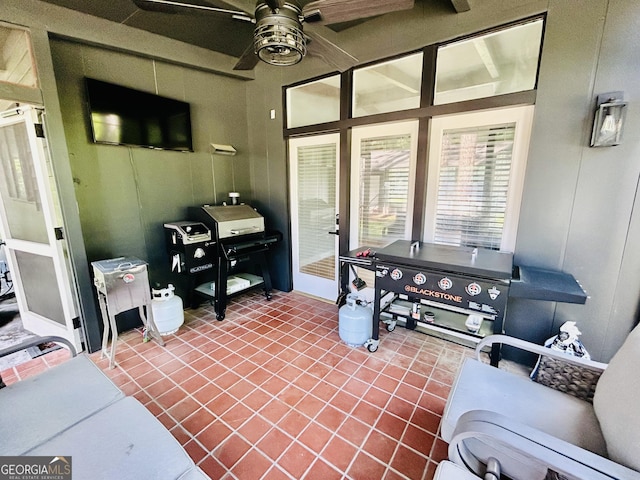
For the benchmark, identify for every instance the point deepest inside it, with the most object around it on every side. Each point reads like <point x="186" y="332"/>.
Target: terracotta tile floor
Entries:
<point x="272" y="392"/>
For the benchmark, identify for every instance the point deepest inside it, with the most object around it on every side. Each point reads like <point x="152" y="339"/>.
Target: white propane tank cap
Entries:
<point x="163" y="293"/>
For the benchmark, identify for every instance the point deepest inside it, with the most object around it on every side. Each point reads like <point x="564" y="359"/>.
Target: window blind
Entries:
<point x="384" y="189"/>
<point x="316" y="209"/>
<point x="473" y="183"/>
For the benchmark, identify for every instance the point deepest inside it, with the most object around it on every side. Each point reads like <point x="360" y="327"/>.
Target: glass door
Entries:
<point x="313" y="165"/>
<point x="30" y="225"/>
<point x="383" y="165"/>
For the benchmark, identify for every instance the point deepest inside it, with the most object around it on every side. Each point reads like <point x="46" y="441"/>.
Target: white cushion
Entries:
<point x="482" y="387"/>
<point x="40" y="407"/>
<point x="124" y="441"/>
<point x="194" y="474"/>
<point x="617" y="403"/>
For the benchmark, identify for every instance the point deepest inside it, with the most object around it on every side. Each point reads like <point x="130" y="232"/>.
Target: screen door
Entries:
<point x="31" y="228"/>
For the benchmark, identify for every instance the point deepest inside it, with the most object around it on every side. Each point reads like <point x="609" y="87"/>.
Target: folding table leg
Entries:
<point x="150" y="324"/>
<point x="106" y="323"/>
<point x="114" y="341"/>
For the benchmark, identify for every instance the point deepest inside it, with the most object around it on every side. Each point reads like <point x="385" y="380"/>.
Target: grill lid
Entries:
<point x="119" y="264"/>
<point x="235" y="220"/>
<point x="230" y="213"/>
<point x="484" y="263"/>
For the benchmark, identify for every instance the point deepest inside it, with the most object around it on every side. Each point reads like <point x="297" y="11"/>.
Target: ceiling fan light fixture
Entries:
<point x="278" y="37"/>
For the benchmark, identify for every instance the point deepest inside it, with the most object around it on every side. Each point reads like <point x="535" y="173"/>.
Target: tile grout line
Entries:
<point x="286" y="337"/>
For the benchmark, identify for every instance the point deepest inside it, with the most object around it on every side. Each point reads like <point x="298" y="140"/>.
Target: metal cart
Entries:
<point x="123" y="284"/>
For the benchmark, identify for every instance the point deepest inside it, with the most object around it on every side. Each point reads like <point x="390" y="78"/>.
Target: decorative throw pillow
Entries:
<point x="571" y="379"/>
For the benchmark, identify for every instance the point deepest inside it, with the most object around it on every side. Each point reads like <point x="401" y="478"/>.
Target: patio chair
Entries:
<point x="538" y="432"/>
<point x="74" y="409"/>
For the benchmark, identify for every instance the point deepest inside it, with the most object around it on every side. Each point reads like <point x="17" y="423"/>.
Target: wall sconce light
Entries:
<point x="609" y="120"/>
<point x="219" y="149"/>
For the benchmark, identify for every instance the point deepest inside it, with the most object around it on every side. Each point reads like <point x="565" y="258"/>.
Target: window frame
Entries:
<point x="387" y="61"/>
<point x="423" y="114"/>
<point x="523" y="118"/>
<point x="398" y="128"/>
<point x="482" y="33"/>
<point x="287" y="92"/>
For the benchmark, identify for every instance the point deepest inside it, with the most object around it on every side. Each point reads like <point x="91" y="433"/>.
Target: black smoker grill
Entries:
<point x="242" y="242"/>
<point x="190" y="246"/>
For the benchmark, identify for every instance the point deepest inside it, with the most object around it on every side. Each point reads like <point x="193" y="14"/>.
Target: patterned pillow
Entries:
<point x="571" y="379"/>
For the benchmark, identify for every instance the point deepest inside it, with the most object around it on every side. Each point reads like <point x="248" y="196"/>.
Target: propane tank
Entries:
<point x="355" y="321"/>
<point x="167" y="310"/>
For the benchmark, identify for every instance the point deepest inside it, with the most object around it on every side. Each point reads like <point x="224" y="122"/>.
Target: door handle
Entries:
<point x="334" y="233"/>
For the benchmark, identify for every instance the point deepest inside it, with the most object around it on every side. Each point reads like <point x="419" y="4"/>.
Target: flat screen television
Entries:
<point x="124" y="116"/>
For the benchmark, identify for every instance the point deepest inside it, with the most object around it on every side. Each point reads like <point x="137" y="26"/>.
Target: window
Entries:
<point x="314" y="102"/>
<point x="383" y="163"/>
<point x="388" y="86"/>
<point x="501" y="62"/>
<point x="19" y="179"/>
<point x="16" y="58"/>
<point x="476" y="171"/>
<point x="316" y="208"/>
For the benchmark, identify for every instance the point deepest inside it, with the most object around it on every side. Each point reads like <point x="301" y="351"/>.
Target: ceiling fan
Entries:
<point x="278" y="37"/>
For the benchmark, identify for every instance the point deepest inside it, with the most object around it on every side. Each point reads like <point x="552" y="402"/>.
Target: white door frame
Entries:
<point x="313" y="285"/>
<point x="55" y="249"/>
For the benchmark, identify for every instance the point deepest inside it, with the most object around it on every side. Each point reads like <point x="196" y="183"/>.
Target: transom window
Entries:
<point x="500" y="62"/>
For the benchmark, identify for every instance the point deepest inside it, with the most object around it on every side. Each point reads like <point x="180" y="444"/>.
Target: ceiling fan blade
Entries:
<point x="241" y="5"/>
<point x="248" y="60"/>
<point x="171" y="6"/>
<point x="328" y="51"/>
<point x="334" y="11"/>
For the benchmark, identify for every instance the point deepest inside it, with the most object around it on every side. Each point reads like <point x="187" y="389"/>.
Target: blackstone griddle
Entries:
<point x="479" y="262"/>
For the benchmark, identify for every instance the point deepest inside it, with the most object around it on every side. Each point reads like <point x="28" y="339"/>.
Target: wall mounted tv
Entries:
<point x="124" y="116"/>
